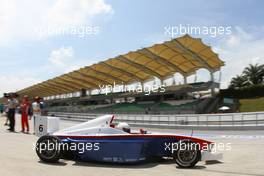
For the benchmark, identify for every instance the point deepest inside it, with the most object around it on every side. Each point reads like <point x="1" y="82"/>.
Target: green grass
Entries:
<point x="251" y="105"/>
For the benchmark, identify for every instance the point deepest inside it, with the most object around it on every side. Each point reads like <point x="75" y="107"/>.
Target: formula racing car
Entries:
<point x="101" y="140"/>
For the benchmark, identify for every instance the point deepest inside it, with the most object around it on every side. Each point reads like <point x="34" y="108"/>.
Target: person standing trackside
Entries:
<point x="1" y="108"/>
<point x="12" y="105"/>
<point x="25" y="105"/>
<point x="5" y="99"/>
<point x="36" y="109"/>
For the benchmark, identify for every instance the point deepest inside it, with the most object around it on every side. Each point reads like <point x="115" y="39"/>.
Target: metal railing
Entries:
<point x="255" y="119"/>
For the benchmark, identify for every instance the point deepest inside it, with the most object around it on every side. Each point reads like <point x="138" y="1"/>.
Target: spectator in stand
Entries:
<point x="25" y="105"/>
<point x="12" y="105"/>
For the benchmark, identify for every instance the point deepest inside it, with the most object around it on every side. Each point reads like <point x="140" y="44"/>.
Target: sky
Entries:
<point x="40" y="40"/>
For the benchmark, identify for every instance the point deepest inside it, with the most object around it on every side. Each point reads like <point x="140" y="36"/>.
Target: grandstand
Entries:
<point x="176" y="100"/>
<point x="80" y="90"/>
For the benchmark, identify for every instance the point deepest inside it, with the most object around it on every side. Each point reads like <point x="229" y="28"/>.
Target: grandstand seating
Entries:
<point x="177" y="99"/>
<point x="134" y="108"/>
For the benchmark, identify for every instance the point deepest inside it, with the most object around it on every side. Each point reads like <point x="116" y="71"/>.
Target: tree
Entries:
<point x="239" y="81"/>
<point x="254" y="74"/>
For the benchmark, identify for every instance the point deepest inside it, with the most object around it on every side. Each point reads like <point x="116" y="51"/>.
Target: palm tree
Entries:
<point x="239" y="81"/>
<point x="254" y="73"/>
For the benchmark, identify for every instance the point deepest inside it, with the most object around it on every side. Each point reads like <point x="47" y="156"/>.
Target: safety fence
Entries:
<point x="249" y="121"/>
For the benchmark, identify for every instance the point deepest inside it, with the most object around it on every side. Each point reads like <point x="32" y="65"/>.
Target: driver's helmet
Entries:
<point x="123" y="126"/>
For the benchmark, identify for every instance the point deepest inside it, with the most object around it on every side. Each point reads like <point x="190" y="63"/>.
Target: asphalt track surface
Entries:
<point x="246" y="157"/>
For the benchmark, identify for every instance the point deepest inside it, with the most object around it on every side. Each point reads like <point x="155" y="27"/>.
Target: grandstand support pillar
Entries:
<point x="220" y="77"/>
<point x="89" y="92"/>
<point x="212" y="76"/>
<point x="213" y="87"/>
<point x="173" y="81"/>
<point x="161" y="81"/>
<point x="142" y="85"/>
<point x="195" y="77"/>
<point x="185" y="80"/>
<point x="83" y="92"/>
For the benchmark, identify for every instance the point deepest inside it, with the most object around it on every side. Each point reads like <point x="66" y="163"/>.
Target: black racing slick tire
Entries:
<point x="48" y="149"/>
<point x="187" y="154"/>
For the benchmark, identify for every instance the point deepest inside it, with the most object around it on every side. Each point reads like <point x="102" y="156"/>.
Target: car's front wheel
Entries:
<point x="187" y="154"/>
<point x="48" y="149"/>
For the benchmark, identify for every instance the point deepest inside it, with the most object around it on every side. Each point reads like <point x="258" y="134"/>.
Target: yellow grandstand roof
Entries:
<point x="184" y="55"/>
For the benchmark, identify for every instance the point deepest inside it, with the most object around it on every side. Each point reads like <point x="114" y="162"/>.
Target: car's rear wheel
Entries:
<point x="48" y="149"/>
<point x="187" y="155"/>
